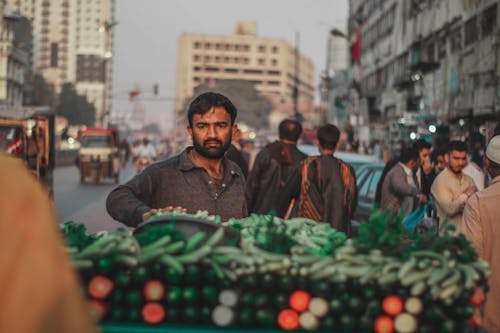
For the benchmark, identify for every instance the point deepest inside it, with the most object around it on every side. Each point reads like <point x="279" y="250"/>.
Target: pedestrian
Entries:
<point x="235" y="154"/>
<point x="399" y="190"/>
<point x="124" y="148"/>
<point x="481" y="226"/>
<point x="452" y="187"/>
<point x="41" y="291"/>
<point x="425" y="173"/>
<point x="477" y="174"/>
<point x="272" y="166"/>
<point x="324" y="186"/>
<point x="439" y="158"/>
<point x="200" y="178"/>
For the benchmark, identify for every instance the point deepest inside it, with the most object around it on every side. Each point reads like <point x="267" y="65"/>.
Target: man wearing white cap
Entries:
<point x="481" y="225"/>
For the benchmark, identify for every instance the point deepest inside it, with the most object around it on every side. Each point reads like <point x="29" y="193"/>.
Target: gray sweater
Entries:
<point x="178" y="182"/>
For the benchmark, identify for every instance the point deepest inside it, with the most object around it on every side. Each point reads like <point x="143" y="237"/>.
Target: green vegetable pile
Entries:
<point x="161" y="276"/>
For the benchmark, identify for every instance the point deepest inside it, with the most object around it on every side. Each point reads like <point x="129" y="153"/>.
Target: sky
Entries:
<point x="145" y="39"/>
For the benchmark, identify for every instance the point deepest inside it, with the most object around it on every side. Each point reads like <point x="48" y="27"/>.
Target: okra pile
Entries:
<point x="294" y="274"/>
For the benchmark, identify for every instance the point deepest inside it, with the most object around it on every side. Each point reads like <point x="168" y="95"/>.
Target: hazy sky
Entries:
<point x="147" y="32"/>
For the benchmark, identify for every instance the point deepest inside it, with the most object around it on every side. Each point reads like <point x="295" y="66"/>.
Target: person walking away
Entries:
<point x="145" y="155"/>
<point x="272" y="166"/>
<point x="399" y="190"/>
<point x="324" y="186"/>
<point x="481" y="225"/>
<point x="235" y="154"/>
<point x="200" y="178"/>
<point x="452" y="188"/>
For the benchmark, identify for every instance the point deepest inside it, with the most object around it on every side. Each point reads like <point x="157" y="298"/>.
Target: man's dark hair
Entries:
<point x="206" y="101"/>
<point x="290" y="129"/>
<point x="421" y="144"/>
<point x="408" y="154"/>
<point x="328" y="136"/>
<point x="457" y="145"/>
<point x="437" y="152"/>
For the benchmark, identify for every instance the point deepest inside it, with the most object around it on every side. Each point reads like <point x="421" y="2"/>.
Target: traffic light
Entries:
<point x="155" y="89"/>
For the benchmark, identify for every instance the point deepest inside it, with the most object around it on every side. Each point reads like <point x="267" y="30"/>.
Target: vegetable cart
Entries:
<point x="262" y="273"/>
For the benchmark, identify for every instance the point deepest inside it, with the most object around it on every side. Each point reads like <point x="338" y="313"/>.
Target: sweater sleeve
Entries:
<point x="471" y="225"/>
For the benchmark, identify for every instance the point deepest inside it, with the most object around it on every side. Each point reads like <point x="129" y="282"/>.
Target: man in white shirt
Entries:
<point x="146" y="150"/>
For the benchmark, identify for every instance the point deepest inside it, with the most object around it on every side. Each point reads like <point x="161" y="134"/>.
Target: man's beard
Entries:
<point x="211" y="152"/>
<point x="455" y="171"/>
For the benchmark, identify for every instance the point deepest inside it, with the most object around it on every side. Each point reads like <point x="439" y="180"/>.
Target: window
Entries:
<point x="252" y="71"/>
<point x="196" y="57"/>
<point x="236" y="60"/>
<point x="217" y="46"/>
<point x="211" y="69"/>
<point x="54" y="50"/>
<point x="196" y="68"/>
<point x="274" y="62"/>
<point x="262" y="48"/>
<point x="273" y="83"/>
<point x="246" y="47"/>
<point x="489" y="20"/>
<point x="196" y="45"/>
<point x="456" y="40"/>
<point x="470" y="31"/>
<point x="275" y="49"/>
<point x="262" y="61"/>
<point x="231" y="70"/>
<point x="208" y="46"/>
<point x="274" y="72"/>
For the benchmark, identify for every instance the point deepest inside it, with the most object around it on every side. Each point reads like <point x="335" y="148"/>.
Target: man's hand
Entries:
<point x="422" y="198"/>
<point x="427" y="166"/>
<point x="147" y="216"/>
<point x="172" y="209"/>
<point x="471" y="190"/>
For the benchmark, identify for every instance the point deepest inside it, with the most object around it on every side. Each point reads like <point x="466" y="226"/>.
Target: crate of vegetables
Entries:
<point x="278" y="275"/>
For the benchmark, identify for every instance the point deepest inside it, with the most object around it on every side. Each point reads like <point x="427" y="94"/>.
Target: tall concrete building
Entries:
<point x="267" y="62"/>
<point x="73" y="42"/>
<point x="14" y="61"/>
<point x="422" y="63"/>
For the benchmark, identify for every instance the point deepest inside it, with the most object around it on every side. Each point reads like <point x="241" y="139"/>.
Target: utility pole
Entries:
<point x="296" y="80"/>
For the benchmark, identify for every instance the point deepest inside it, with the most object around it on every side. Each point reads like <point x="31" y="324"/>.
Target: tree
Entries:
<point x="253" y="108"/>
<point x="75" y="107"/>
<point x="38" y="91"/>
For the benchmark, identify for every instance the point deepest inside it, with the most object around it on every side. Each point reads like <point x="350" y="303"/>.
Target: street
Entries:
<point x="85" y="203"/>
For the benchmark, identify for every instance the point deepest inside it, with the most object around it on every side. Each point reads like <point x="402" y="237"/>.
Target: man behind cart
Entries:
<point x="200" y="178"/>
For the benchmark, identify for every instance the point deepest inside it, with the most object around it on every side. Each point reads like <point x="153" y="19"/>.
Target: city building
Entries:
<point x="422" y="66"/>
<point x="270" y="63"/>
<point x="14" y="61"/>
<point x="73" y="42"/>
<point x="335" y="79"/>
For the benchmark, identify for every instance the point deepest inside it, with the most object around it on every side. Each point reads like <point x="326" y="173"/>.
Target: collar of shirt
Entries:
<point x="185" y="163"/>
<point x="409" y="174"/>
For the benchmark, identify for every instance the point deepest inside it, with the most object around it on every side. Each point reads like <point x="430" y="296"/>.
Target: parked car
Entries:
<point x="353" y="159"/>
<point x="367" y="179"/>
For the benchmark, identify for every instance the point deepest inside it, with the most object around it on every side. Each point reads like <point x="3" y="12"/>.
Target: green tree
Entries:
<point x="75" y="107"/>
<point x="253" y="108"/>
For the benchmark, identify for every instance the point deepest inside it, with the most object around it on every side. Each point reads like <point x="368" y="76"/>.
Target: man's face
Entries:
<point x="440" y="162"/>
<point x="457" y="161"/>
<point x="425" y="156"/>
<point x="211" y="132"/>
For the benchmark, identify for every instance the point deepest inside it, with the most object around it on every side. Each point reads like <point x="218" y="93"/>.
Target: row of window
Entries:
<point x="233" y="47"/>
<point x="235" y="60"/>
<point x="197" y="79"/>
<point x="235" y="70"/>
<point x="380" y="29"/>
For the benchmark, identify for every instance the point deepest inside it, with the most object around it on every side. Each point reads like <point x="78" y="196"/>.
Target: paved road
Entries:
<point x="85" y="203"/>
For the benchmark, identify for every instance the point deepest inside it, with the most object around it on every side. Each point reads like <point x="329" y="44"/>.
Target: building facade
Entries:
<point x="422" y="63"/>
<point x="14" y="61"/>
<point x="73" y="42"/>
<point x="267" y="62"/>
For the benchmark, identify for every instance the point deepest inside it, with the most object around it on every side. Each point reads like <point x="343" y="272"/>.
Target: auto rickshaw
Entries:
<point x="28" y="133"/>
<point x="99" y="157"/>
